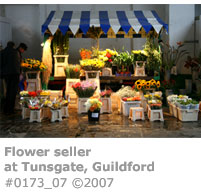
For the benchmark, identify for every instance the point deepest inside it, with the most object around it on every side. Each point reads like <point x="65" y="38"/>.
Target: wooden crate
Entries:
<point x="107" y="105"/>
<point x="81" y="107"/>
<point x="33" y="80"/>
<point x="59" y="67"/>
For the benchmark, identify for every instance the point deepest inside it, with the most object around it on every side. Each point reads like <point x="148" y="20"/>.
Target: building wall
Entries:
<point x="181" y="28"/>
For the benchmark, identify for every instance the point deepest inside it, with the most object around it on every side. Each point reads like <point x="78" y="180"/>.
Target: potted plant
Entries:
<point x="171" y="56"/>
<point x="140" y="57"/>
<point x="124" y="62"/>
<point x="154" y="59"/>
<point x="168" y="86"/>
<point x="84" y="89"/>
<point x="73" y="71"/>
<point x="93" y="106"/>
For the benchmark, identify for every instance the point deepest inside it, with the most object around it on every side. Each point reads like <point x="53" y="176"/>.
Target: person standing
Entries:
<point x="11" y="68"/>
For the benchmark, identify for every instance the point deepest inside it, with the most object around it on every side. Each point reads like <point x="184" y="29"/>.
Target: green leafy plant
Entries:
<point x="60" y="43"/>
<point x="172" y="55"/>
<point x="124" y="61"/>
<point x="72" y="71"/>
<point x="154" y="59"/>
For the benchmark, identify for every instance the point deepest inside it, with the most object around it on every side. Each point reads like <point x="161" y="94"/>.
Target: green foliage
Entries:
<point x="60" y="43"/>
<point x="172" y="55"/>
<point x="154" y="59"/>
<point x="72" y="71"/>
<point x="124" y="60"/>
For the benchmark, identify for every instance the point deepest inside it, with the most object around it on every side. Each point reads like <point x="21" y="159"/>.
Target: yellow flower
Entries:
<point x="158" y="84"/>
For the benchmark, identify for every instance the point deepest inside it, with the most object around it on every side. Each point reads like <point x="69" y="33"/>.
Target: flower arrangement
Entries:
<point x="140" y="55"/>
<point x="92" y="64"/>
<point x="45" y="93"/>
<point x="93" y="104"/>
<point x="85" y="53"/>
<point x="47" y="103"/>
<point x="148" y="97"/>
<point x="55" y="104"/>
<point x="106" y="93"/>
<point x="33" y="65"/>
<point x="124" y="61"/>
<point x="126" y="91"/>
<point x="72" y="71"/>
<point x="136" y="98"/>
<point x="64" y="103"/>
<point x="84" y="89"/>
<point x="107" y="56"/>
<point x="24" y="93"/>
<point x="155" y="104"/>
<point x="146" y="85"/>
<point x="34" y="104"/>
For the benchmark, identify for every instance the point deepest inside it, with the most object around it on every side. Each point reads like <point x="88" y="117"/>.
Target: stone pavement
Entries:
<point x="110" y="126"/>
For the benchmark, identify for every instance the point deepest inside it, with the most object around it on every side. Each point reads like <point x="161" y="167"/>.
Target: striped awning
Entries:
<point x="75" y="21"/>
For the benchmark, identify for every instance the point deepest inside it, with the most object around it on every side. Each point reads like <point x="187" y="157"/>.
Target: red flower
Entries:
<point x="108" y="55"/>
<point x="32" y="94"/>
<point x="76" y="69"/>
<point x="76" y="85"/>
<point x="110" y="60"/>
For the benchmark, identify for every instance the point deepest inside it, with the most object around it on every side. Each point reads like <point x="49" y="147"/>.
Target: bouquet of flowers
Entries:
<point x="64" y="103"/>
<point x="155" y="104"/>
<point x="136" y="98"/>
<point x="72" y="71"/>
<point x="24" y="93"/>
<point x="34" y="104"/>
<point x="92" y="64"/>
<point x="55" y="104"/>
<point x="84" y="89"/>
<point x="107" y="56"/>
<point x="85" y="53"/>
<point x="140" y="55"/>
<point x="33" y="65"/>
<point x="93" y="104"/>
<point x="146" y="85"/>
<point x="106" y="93"/>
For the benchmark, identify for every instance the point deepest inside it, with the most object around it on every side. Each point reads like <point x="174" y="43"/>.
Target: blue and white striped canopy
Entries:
<point x="83" y="20"/>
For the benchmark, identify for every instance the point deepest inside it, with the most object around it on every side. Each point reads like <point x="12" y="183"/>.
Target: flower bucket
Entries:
<point x="93" y="116"/>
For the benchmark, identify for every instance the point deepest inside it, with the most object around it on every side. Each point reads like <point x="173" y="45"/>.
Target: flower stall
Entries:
<point x="32" y="68"/>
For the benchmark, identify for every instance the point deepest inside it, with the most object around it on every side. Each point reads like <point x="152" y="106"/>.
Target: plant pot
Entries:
<point x="93" y="116"/>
